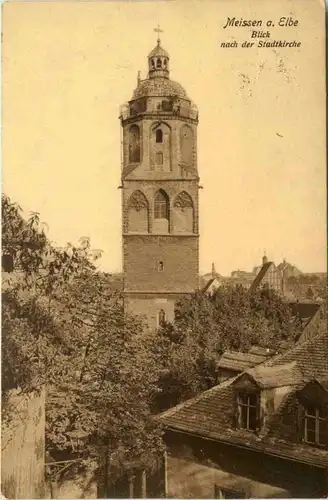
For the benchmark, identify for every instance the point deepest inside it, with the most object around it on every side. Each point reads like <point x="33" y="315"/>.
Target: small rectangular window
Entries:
<point x="7" y="263"/>
<point x="161" y="318"/>
<point x="160" y="266"/>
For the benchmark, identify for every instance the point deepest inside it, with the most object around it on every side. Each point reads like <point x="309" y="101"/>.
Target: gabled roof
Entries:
<point x="210" y="283"/>
<point x="259" y="277"/>
<point x="211" y="413"/>
<point x="262" y="351"/>
<point x="276" y="376"/>
<point x="239" y="361"/>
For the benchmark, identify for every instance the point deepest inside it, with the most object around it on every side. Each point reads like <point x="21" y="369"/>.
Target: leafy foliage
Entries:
<point x="233" y="318"/>
<point x="64" y="327"/>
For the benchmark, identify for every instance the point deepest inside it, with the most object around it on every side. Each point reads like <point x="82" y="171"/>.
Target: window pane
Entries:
<point x="310" y="410"/>
<point x="310" y="424"/>
<point x="323" y="436"/>
<point x="243" y="398"/>
<point x="310" y="436"/>
<point x="252" y="418"/>
<point x="243" y="417"/>
<point x="253" y="399"/>
<point x="322" y="413"/>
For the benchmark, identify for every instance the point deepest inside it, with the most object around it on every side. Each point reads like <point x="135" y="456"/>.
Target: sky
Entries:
<point x="68" y="66"/>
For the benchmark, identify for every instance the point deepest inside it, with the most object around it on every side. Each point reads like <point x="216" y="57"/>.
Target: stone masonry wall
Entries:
<point x="142" y="254"/>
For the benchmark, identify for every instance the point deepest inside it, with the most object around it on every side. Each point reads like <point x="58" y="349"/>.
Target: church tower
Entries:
<point x="159" y="193"/>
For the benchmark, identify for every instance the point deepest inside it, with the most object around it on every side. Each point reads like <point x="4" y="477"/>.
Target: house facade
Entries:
<point x="269" y="275"/>
<point x="262" y="434"/>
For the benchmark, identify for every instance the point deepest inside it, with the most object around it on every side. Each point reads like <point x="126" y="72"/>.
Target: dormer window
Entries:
<point x="248" y="410"/>
<point x="313" y="410"/>
<point x="315" y="426"/>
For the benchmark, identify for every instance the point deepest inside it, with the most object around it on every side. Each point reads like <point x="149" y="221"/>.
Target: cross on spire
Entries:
<point x="158" y="31"/>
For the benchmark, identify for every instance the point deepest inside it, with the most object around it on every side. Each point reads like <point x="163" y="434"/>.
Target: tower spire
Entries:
<point x="158" y="31"/>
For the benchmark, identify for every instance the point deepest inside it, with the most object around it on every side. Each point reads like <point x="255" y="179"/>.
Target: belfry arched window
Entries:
<point x="161" y="205"/>
<point x="158" y="63"/>
<point x="134" y="144"/>
<point x="159" y="135"/>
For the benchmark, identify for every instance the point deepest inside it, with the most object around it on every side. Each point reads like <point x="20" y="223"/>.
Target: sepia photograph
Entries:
<point x="164" y="249"/>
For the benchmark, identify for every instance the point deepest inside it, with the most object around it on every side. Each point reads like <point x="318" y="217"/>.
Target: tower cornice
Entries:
<point x="156" y="180"/>
<point x="157" y="115"/>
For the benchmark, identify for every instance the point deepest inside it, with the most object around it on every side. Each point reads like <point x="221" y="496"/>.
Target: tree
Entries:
<point x="64" y="328"/>
<point x="233" y="318"/>
<point x="109" y="383"/>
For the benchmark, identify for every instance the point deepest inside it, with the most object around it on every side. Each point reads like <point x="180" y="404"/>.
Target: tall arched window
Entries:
<point x="134" y="144"/>
<point x="158" y="63"/>
<point x="161" y="317"/>
<point x="159" y="135"/>
<point x="161" y="205"/>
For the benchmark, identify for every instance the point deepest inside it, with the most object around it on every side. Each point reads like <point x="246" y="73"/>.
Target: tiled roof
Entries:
<point x="239" y="361"/>
<point x="257" y="281"/>
<point x="277" y="375"/>
<point x="211" y="413"/>
<point x="305" y="311"/>
<point x="262" y="351"/>
<point x="208" y="284"/>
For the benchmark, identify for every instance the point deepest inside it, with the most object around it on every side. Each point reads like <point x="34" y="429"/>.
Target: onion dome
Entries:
<point x="159" y="51"/>
<point x="160" y="86"/>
